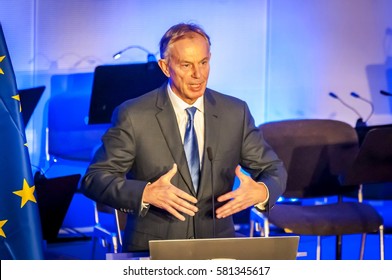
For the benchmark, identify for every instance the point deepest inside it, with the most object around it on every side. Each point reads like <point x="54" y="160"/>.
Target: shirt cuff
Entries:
<point x="261" y="206"/>
<point x="144" y="209"/>
<point x="144" y="206"/>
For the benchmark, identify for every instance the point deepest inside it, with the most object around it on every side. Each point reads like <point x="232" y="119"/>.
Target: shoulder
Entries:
<point x="140" y="106"/>
<point x="146" y="99"/>
<point x="149" y="100"/>
<point x="224" y="101"/>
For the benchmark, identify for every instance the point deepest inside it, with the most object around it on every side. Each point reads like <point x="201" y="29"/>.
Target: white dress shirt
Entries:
<point x="182" y="118"/>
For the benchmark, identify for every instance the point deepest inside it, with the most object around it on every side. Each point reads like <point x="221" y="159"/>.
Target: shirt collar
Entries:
<point x="180" y="104"/>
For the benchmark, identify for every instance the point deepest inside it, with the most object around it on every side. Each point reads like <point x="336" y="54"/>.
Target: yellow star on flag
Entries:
<point x="1" y="59"/>
<point x="26" y="193"/>
<point x="2" y="223"/>
<point x="17" y="97"/>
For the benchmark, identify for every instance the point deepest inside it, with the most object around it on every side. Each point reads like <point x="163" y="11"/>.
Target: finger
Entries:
<point x="169" y="175"/>
<point x="177" y="215"/>
<point x="186" y="196"/>
<point x="238" y="171"/>
<point x="226" y="196"/>
<point x="181" y="205"/>
<point x="225" y="207"/>
<point x="185" y="209"/>
<point x="176" y="205"/>
<point x="185" y="204"/>
<point x="224" y="212"/>
<point x="229" y="209"/>
<point x="241" y="176"/>
<point x="174" y="212"/>
<point x="228" y="212"/>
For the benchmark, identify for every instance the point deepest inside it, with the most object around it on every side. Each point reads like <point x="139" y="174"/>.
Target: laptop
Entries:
<point x="254" y="248"/>
<point x="54" y="196"/>
<point x="29" y="99"/>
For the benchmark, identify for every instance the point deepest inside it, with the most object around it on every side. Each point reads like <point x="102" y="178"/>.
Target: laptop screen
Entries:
<point x="256" y="248"/>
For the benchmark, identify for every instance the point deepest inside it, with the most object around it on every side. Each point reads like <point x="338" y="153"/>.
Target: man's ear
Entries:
<point x="164" y="67"/>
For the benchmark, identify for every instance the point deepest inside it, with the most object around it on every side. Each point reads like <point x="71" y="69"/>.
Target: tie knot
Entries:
<point x="191" y="112"/>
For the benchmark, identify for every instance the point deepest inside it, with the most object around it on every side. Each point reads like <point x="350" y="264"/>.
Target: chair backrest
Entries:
<point x="68" y="109"/>
<point x="374" y="161"/>
<point x="315" y="153"/>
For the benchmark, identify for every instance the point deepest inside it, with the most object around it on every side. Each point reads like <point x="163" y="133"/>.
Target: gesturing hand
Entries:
<point x="164" y="195"/>
<point x="247" y="194"/>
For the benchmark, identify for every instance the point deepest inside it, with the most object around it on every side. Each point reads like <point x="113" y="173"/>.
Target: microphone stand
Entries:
<point x="360" y="122"/>
<point x="355" y="95"/>
<point x="210" y="158"/>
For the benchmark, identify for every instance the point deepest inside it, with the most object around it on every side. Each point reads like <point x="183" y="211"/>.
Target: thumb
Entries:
<point x="169" y="175"/>
<point x="239" y="174"/>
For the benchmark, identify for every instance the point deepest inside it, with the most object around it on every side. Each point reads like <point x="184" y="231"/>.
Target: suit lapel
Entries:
<point x="167" y="121"/>
<point x="212" y="133"/>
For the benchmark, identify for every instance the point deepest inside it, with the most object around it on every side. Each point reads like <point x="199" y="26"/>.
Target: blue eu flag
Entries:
<point x="20" y="227"/>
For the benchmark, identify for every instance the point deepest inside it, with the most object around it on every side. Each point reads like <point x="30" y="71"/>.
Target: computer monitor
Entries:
<point x="114" y="84"/>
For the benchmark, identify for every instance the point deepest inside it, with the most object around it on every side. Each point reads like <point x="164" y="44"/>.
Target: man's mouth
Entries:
<point x="196" y="86"/>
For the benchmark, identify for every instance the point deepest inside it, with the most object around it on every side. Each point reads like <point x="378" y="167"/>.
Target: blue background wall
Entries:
<point x="283" y="57"/>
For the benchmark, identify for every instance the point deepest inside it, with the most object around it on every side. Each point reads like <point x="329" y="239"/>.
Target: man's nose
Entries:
<point x="196" y="72"/>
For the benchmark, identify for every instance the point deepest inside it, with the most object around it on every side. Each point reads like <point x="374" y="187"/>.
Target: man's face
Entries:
<point x="188" y="67"/>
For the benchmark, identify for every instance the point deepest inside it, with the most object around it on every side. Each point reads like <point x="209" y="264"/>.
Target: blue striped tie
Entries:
<point x="191" y="148"/>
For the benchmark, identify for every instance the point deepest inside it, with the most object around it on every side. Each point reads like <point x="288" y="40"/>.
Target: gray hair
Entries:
<point x="177" y="32"/>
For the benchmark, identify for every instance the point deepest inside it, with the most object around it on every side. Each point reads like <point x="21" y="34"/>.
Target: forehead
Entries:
<point x="190" y="44"/>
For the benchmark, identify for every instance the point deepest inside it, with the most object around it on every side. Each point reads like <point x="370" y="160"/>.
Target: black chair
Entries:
<point x="316" y="154"/>
<point x="373" y="163"/>
<point x="372" y="168"/>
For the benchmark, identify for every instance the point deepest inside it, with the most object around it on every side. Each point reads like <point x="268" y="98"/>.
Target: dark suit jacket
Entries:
<point x="145" y="141"/>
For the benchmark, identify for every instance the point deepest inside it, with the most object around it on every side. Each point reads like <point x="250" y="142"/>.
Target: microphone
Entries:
<point x="383" y="92"/>
<point x="360" y="121"/>
<point x="356" y="95"/>
<point x="210" y="158"/>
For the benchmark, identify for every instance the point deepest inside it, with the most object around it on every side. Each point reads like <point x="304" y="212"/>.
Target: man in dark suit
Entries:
<point x="141" y="167"/>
